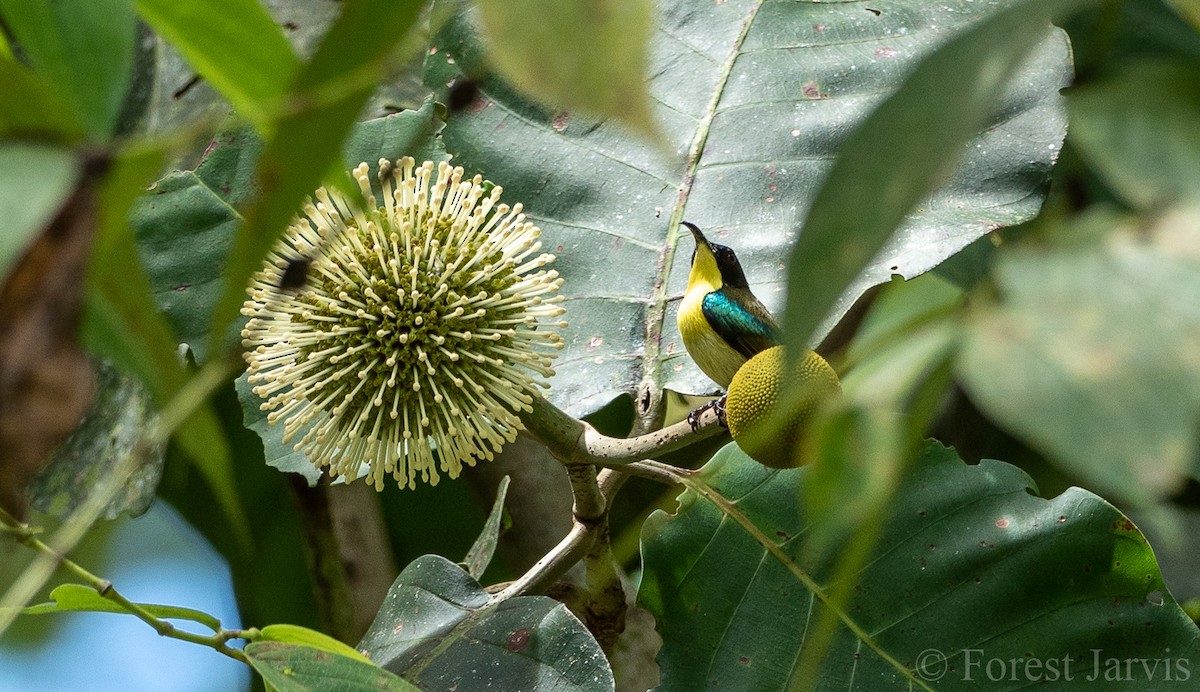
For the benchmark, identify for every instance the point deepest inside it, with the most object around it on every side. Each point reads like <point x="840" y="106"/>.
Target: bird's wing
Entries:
<point x="744" y="324"/>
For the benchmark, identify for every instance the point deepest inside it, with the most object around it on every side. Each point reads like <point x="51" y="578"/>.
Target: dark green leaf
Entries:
<point x="1091" y="355"/>
<point x="969" y="568"/>
<point x="755" y="100"/>
<point x="295" y="668"/>
<point x="234" y="45"/>
<point x="438" y="629"/>
<point x="579" y="56"/>
<point x="111" y="431"/>
<point x="30" y="107"/>
<point x="276" y="452"/>
<point x="73" y="598"/>
<point x="1140" y="130"/>
<point x="35" y="180"/>
<point x="481" y="552"/>
<point x="85" y="48"/>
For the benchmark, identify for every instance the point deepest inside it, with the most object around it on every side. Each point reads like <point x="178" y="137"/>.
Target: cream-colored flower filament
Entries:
<point x="425" y="327"/>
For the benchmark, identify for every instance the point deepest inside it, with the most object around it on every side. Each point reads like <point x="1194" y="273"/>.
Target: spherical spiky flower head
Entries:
<point x="418" y="333"/>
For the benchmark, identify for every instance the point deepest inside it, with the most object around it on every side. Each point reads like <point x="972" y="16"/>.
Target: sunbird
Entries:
<point x="723" y="325"/>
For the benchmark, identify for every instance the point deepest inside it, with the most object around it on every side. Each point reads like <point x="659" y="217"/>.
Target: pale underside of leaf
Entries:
<point x="753" y="98"/>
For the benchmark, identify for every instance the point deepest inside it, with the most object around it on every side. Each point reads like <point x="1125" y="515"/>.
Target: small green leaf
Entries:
<point x="74" y="598"/>
<point x="295" y="668"/>
<point x="234" y="45"/>
<point x="480" y="554"/>
<point x="755" y="100"/>
<point x="35" y="179"/>
<point x="295" y="634"/>
<point x="584" y="56"/>
<point x="439" y="629"/>
<point x="85" y="48"/>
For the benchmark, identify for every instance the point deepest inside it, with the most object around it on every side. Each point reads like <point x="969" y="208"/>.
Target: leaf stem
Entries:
<point x="581" y="448"/>
<point x="218" y="640"/>
<point x="189" y="397"/>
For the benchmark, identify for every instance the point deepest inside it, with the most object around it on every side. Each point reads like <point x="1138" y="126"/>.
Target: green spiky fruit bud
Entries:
<point x="769" y="404"/>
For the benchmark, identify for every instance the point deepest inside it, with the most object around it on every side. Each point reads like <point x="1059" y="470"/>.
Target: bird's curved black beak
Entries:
<point x="699" y="237"/>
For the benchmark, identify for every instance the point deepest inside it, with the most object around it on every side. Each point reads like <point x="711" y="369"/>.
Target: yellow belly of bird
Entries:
<point x="716" y="358"/>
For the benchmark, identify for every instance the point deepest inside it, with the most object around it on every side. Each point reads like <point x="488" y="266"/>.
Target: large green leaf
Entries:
<point x="970" y="569"/>
<point x="439" y="629"/>
<point x="85" y="48"/>
<point x="1093" y="353"/>
<point x="754" y="98"/>
<point x="174" y="93"/>
<point x="185" y="225"/>
<point x="921" y="130"/>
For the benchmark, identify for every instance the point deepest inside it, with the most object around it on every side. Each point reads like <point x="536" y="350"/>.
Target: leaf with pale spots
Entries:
<point x="754" y="100"/>
<point x="1057" y="579"/>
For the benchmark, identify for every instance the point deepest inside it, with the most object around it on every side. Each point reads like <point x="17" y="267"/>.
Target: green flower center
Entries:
<point x="411" y="323"/>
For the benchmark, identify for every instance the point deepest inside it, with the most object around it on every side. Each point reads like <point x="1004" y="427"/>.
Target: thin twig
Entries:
<point x="189" y="397"/>
<point x="218" y="640"/>
<point x="553" y="564"/>
<point x="581" y="448"/>
<point x="573" y="441"/>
